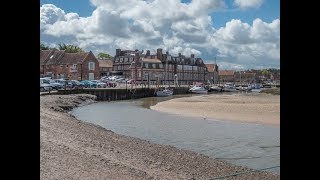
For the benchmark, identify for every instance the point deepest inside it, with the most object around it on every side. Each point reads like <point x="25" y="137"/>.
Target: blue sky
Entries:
<point x="240" y="33"/>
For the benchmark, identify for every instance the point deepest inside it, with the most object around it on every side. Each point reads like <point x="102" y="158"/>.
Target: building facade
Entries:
<point x="105" y="67"/>
<point x="74" y="66"/>
<point x="212" y="75"/>
<point x="226" y="76"/>
<point x="160" y="67"/>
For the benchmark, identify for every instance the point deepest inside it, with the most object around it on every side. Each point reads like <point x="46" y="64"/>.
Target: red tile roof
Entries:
<point x="226" y="73"/>
<point x="211" y="67"/>
<point x="105" y="63"/>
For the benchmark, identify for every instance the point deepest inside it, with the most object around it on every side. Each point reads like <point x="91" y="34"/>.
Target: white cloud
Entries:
<point x="171" y="25"/>
<point x="248" y="3"/>
<point x="185" y="51"/>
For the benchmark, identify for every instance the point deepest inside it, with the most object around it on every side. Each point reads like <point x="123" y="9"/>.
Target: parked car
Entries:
<point x="100" y="84"/>
<point x="45" y="86"/>
<point x="111" y="84"/>
<point x="74" y="84"/>
<point x="88" y="84"/>
<point x="55" y="85"/>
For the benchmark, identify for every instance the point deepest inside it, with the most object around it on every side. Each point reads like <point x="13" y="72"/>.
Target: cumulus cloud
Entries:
<point x="171" y="25"/>
<point x="248" y="3"/>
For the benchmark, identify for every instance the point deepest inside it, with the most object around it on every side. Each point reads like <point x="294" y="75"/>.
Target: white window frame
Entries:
<point x="92" y="64"/>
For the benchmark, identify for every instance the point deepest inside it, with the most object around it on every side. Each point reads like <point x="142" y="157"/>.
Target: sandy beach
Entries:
<point x="252" y="107"/>
<point x="71" y="149"/>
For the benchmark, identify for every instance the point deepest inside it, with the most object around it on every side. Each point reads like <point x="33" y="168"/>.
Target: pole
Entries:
<point x="81" y="71"/>
<point x="148" y="82"/>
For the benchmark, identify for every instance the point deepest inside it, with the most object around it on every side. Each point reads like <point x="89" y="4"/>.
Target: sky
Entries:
<point x="236" y="34"/>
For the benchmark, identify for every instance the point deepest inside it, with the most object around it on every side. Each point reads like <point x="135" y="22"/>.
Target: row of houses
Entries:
<point x="151" y="68"/>
<point x="143" y="67"/>
<point x="162" y="67"/>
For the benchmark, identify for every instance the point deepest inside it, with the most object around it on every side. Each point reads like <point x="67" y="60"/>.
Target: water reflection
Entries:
<point x="252" y="145"/>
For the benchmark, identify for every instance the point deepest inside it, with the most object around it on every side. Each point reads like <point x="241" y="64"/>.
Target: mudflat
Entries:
<point x="251" y="107"/>
<point x="71" y="149"/>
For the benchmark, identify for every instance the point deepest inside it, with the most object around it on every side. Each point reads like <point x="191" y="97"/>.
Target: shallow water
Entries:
<point x="253" y="145"/>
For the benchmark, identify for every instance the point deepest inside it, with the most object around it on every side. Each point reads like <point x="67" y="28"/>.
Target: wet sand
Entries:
<point x="252" y="107"/>
<point x="71" y="149"/>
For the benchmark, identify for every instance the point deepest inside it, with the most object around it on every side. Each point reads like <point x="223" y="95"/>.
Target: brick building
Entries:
<point x="212" y="74"/>
<point x="105" y="67"/>
<point x="226" y="76"/>
<point x="245" y="77"/>
<point x="159" y="66"/>
<point x="75" y="66"/>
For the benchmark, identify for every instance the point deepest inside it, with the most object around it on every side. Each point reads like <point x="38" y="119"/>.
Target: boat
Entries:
<point x="164" y="93"/>
<point x="229" y="87"/>
<point x="245" y="88"/>
<point x="198" y="89"/>
<point x="216" y="88"/>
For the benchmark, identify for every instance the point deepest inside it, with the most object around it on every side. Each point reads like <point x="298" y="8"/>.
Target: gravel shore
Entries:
<point x="71" y="149"/>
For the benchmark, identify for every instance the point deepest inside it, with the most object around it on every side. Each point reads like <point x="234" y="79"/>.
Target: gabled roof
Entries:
<point x="211" y="67"/>
<point x="73" y="58"/>
<point x="54" y="57"/>
<point x="105" y="63"/>
<point x="44" y="56"/>
<point x="226" y="73"/>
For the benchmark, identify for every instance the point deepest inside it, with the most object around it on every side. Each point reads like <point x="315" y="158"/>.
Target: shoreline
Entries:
<point x="72" y="149"/>
<point x="257" y="108"/>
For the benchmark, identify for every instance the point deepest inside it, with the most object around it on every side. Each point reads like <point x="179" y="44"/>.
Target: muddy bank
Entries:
<point x="70" y="149"/>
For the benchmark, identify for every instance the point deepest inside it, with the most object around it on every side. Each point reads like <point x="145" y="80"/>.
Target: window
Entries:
<point x="160" y="66"/>
<point x="153" y="66"/>
<point x="146" y="65"/>
<point x="91" y="66"/>
<point x="131" y="59"/>
<point x="74" y="66"/>
<point x="126" y="60"/>
<point x="121" y="59"/>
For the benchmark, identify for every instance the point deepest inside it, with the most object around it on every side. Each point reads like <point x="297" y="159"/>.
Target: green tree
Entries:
<point x="69" y="48"/>
<point x="43" y="47"/>
<point x="265" y="72"/>
<point x="104" y="55"/>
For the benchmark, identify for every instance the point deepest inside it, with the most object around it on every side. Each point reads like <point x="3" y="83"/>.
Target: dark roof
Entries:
<point x="54" y="57"/>
<point x="44" y="56"/>
<point x="73" y="58"/>
<point x="51" y="57"/>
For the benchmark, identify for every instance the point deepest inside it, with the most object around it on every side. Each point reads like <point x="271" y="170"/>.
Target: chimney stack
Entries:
<point x="118" y="51"/>
<point x="148" y="53"/>
<point x="192" y="55"/>
<point x="159" y="53"/>
<point x="179" y="54"/>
